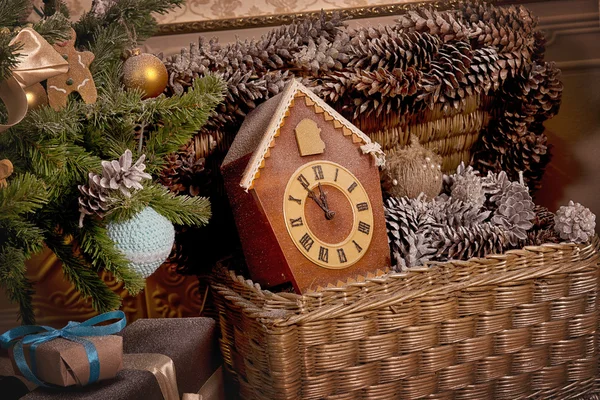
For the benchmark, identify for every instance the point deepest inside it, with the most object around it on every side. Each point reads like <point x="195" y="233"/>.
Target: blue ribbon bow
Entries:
<point x="34" y="335"/>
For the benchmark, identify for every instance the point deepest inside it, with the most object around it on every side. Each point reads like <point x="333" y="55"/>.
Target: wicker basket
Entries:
<point x="513" y="326"/>
<point x="449" y="132"/>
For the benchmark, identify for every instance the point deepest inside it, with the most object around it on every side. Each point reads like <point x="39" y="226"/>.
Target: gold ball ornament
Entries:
<point x="146" y="72"/>
<point x="36" y="96"/>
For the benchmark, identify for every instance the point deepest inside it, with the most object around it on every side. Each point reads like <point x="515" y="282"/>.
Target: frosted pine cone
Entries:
<point x="122" y="175"/>
<point x="416" y="252"/>
<point x="94" y="200"/>
<point x="575" y="223"/>
<point x="449" y="211"/>
<point x="515" y="210"/>
<point x="468" y="188"/>
<point x="462" y="243"/>
<point x="102" y="190"/>
<point x="448" y="25"/>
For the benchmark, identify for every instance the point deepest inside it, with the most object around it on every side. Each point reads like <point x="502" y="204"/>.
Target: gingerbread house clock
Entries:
<point x="304" y="187"/>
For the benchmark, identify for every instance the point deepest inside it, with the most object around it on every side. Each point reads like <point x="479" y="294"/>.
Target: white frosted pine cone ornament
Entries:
<point x="575" y="223"/>
<point x="145" y="240"/>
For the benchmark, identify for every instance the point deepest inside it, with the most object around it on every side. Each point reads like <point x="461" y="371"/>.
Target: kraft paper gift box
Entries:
<point x="191" y="343"/>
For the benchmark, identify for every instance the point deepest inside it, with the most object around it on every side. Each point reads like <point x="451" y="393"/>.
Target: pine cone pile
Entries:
<point x="118" y="178"/>
<point x="428" y="57"/>
<point x="472" y="217"/>
<point x="575" y="223"/>
<point x="515" y="140"/>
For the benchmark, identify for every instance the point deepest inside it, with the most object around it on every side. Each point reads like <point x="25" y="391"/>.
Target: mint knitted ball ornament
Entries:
<point x="146" y="240"/>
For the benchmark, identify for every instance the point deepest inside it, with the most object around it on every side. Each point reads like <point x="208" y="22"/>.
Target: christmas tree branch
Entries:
<point x="132" y="17"/>
<point x="85" y="280"/>
<point x="15" y="283"/>
<point x="182" y="116"/>
<point x="12" y="12"/>
<point x="22" y="234"/>
<point x="52" y="7"/>
<point x="8" y="55"/>
<point x="24" y="194"/>
<point x="56" y="28"/>
<point x="99" y="248"/>
<point x="180" y="210"/>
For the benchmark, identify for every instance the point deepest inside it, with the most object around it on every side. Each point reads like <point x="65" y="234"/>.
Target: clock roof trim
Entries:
<point x="288" y="95"/>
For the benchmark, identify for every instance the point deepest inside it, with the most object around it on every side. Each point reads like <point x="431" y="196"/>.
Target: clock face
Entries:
<point x="328" y="214"/>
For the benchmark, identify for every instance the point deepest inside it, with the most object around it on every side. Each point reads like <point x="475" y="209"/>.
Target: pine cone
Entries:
<point x="416" y="252"/>
<point x="404" y="215"/>
<point x="94" y="199"/>
<point x="446" y="80"/>
<point x="575" y="223"/>
<point x="544" y="218"/>
<point x="184" y="172"/>
<point x="515" y="210"/>
<point x="448" y="25"/>
<point x="507" y="144"/>
<point x="103" y="190"/>
<point x="539" y="237"/>
<point x="509" y="29"/>
<point x="468" y="188"/>
<point x="505" y="28"/>
<point x="383" y="90"/>
<point x="455" y="213"/>
<point x="390" y="47"/>
<point x="542" y="92"/>
<point x="122" y="175"/>
<point x="463" y="243"/>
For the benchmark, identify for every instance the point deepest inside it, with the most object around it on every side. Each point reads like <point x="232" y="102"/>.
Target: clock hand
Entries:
<point x="328" y="214"/>
<point x="323" y="196"/>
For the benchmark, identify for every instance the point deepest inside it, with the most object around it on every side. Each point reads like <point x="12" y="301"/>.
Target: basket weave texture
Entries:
<point x="518" y="325"/>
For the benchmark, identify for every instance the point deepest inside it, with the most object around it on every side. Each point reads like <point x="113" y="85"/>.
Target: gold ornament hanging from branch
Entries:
<point x="36" y="96"/>
<point x="146" y="72"/>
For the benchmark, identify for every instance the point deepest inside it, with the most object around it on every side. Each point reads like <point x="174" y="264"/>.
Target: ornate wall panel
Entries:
<point x="56" y="302"/>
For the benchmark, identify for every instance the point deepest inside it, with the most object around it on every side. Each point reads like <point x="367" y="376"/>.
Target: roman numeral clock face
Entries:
<point x="328" y="214"/>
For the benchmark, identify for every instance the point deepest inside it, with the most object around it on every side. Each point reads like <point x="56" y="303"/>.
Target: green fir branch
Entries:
<point x="107" y="45"/>
<point x="22" y="234"/>
<point x="85" y="279"/>
<point x="180" y="210"/>
<point x="14" y="281"/>
<point x="46" y="123"/>
<point x="182" y="116"/>
<point x="24" y="194"/>
<point x="102" y="254"/>
<point x="13" y="12"/>
<point x="55" y="29"/>
<point x="9" y="54"/>
<point x="133" y="17"/>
